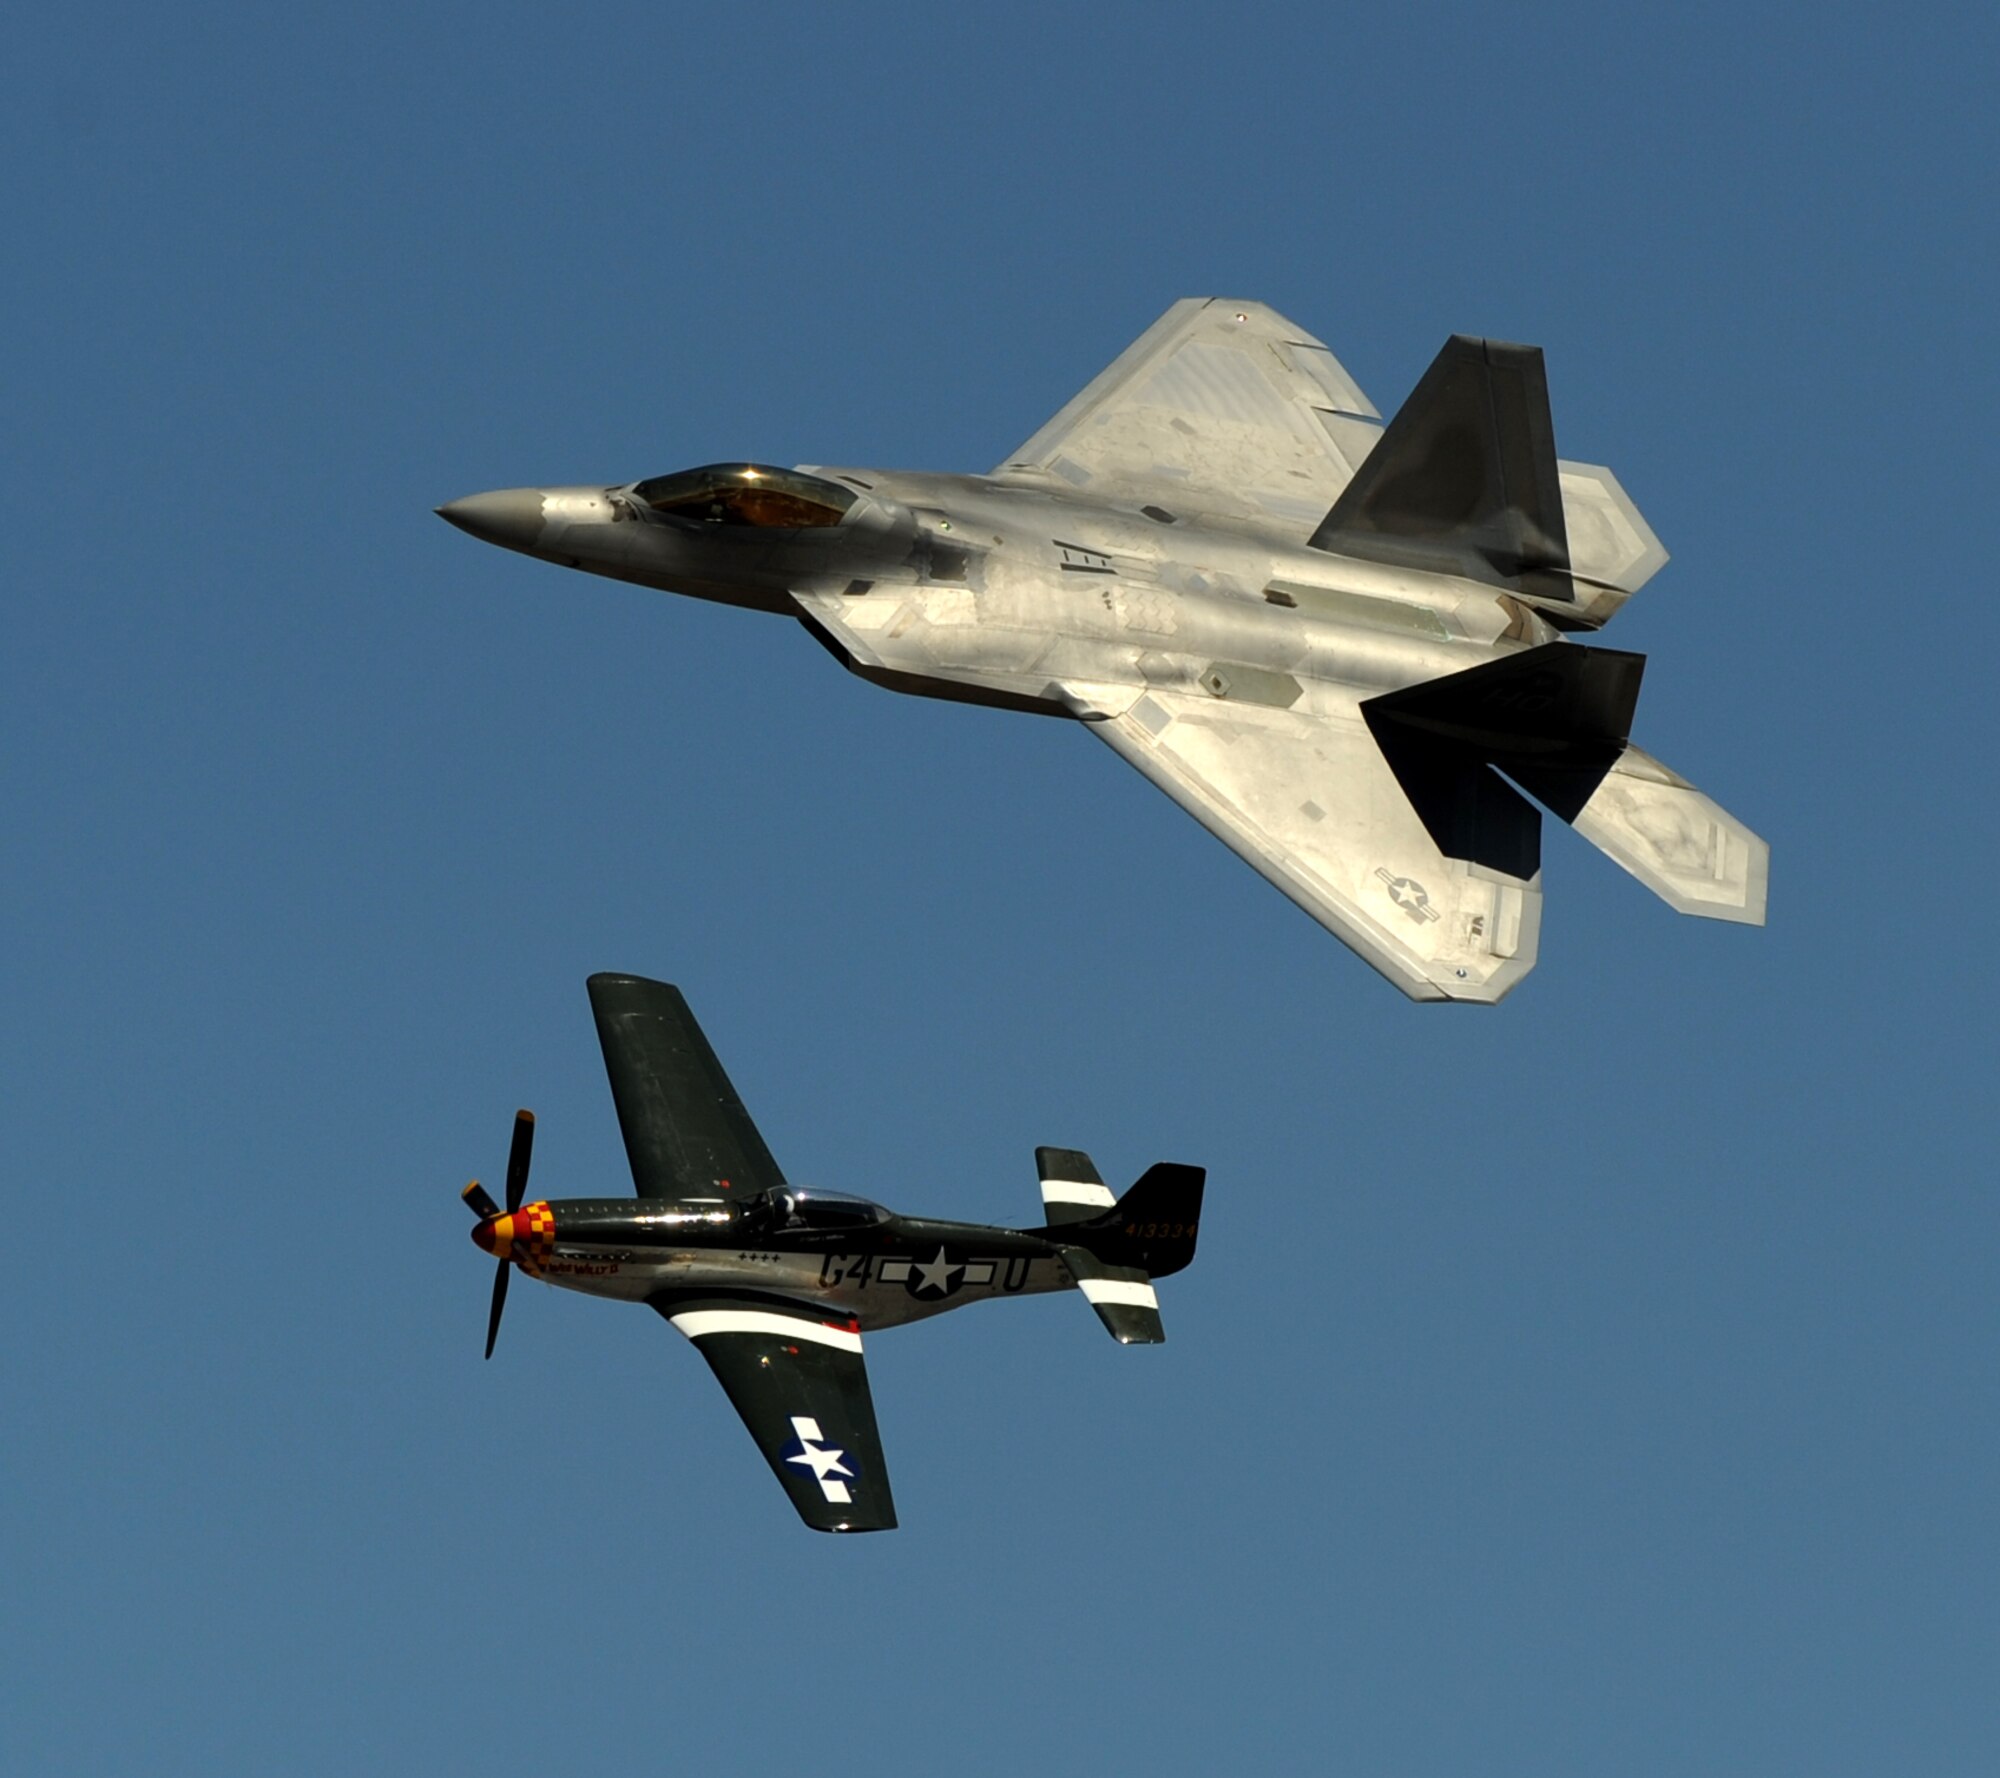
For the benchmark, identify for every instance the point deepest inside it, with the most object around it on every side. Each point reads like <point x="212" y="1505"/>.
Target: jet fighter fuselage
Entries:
<point x="1037" y="590"/>
<point x="1337" y="644"/>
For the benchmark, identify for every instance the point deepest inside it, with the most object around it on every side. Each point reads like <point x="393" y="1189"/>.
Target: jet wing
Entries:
<point x="1219" y="407"/>
<point x="686" y="1132"/>
<point x="801" y="1388"/>
<point x="1306" y="795"/>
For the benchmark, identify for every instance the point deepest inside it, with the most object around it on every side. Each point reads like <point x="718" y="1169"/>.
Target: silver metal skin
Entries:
<point x="1146" y="564"/>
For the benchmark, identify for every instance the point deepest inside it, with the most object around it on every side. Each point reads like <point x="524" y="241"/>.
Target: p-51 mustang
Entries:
<point x="1336" y="644"/>
<point x="776" y="1285"/>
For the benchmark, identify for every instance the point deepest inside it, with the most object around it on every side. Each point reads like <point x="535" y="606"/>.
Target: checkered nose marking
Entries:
<point x="527" y="1237"/>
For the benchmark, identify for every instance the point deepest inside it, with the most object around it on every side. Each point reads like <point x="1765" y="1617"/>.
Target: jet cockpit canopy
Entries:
<point x="747" y="494"/>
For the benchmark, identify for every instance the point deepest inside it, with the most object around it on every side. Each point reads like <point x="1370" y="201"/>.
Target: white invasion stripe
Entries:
<point x="805" y="1427"/>
<point x="1132" y="1293"/>
<point x="1075" y="1191"/>
<point x="836" y="1492"/>
<point x="699" y="1323"/>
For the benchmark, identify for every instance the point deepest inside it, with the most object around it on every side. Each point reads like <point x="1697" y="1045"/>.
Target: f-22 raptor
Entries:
<point x="774" y="1284"/>
<point x="1337" y="644"/>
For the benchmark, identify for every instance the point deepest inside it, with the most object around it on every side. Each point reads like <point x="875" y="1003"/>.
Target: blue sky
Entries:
<point x="1602" y="1383"/>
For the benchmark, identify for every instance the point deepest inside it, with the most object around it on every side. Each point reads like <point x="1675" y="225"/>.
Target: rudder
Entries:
<point x="1153" y="1227"/>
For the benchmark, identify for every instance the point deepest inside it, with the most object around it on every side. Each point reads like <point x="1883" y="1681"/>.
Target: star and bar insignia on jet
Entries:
<point x="1412" y="897"/>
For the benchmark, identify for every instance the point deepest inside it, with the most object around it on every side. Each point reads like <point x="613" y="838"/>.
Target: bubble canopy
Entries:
<point x="746" y="494"/>
<point x="791" y="1207"/>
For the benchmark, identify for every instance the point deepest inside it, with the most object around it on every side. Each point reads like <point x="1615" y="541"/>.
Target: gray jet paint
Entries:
<point x="1203" y="559"/>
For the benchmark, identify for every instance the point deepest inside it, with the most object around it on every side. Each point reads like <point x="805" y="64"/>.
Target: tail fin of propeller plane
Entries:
<point x="1148" y="1233"/>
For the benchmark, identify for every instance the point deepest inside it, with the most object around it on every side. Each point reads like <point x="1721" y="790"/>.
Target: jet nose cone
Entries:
<point x="510" y="517"/>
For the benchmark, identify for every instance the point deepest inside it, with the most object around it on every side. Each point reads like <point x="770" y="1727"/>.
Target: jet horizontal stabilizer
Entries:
<point x="1694" y="855"/>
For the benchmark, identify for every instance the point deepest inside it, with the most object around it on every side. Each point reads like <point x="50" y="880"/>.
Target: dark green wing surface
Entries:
<point x="686" y="1132"/>
<point x="800" y="1386"/>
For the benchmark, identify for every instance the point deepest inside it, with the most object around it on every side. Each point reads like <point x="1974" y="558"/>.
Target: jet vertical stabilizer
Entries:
<point x="1465" y="480"/>
<point x="1556" y="720"/>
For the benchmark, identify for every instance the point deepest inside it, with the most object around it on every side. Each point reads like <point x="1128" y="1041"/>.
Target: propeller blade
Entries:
<point x="517" y="1159"/>
<point x="499" y="1303"/>
<point x="480" y="1201"/>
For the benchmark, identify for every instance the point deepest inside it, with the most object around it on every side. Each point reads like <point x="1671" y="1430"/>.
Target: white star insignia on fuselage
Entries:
<point x="936" y="1276"/>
